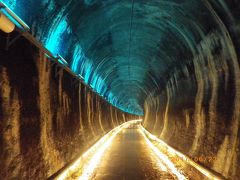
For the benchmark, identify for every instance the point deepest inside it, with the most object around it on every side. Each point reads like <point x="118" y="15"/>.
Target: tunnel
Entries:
<point x="132" y="81"/>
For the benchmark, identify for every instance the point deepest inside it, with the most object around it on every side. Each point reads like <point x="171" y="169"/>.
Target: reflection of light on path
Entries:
<point x="84" y="167"/>
<point x="163" y="158"/>
<point x="174" y="153"/>
<point x="153" y="154"/>
<point x="86" y="164"/>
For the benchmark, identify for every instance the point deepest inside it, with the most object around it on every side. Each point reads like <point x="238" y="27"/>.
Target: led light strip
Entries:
<point x="61" y="60"/>
<point x="92" y="157"/>
<point x="150" y="137"/>
<point x="163" y="158"/>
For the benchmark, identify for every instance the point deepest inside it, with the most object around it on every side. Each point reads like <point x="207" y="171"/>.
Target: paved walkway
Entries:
<point x="129" y="157"/>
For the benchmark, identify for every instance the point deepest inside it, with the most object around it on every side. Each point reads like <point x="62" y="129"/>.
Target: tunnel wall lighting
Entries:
<point x="62" y="60"/>
<point x="80" y="76"/>
<point x="12" y="17"/>
<point x="6" y="25"/>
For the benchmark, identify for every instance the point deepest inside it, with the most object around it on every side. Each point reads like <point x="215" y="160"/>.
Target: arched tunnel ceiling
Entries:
<point x="124" y="49"/>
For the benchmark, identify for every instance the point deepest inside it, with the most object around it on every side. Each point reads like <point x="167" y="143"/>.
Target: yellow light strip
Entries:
<point x="172" y="151"/>
<point x="164" y="158"/>
<point x="87" y="163"/>
<point x="159" y="161"/>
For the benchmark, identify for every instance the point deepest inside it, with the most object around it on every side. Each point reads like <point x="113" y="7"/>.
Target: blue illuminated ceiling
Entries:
<point x="124" y="49"/>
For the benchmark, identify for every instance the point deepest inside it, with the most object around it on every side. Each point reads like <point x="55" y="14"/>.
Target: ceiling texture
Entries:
<point x="124" y="49"/>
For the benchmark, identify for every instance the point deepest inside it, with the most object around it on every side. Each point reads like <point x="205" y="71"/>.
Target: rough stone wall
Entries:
<point x="198" y="111"/>
<point x="47" y="119"/>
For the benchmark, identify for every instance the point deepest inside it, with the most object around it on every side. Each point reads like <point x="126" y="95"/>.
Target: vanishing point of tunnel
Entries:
<point x="119" y="89"/>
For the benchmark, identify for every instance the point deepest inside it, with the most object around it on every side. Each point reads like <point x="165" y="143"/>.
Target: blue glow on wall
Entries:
<point x="55" y="40"/>
<point x="87" y="70"/>
<point x="78" y="57"/>
<point x="12" y="4"/>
